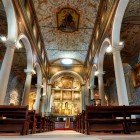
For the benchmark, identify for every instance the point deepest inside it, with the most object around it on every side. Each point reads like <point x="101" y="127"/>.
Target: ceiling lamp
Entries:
<point x="66" y="61"/>
<point x="96" y="73"/>
<point x="109" y="49"/>
<point x="3" y="38"/>
<point x="19" y="45"/>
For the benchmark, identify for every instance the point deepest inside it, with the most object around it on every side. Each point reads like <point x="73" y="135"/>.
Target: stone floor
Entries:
<point x="72" y="135"/>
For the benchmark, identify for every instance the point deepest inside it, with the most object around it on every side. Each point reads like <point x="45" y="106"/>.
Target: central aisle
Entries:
<point x="64" y="135"/>
<point x="72" y="135"/>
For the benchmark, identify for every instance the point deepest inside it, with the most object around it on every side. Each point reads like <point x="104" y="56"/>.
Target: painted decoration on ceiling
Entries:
<point x="67" y="20"/>
<point x="63" y="44"/>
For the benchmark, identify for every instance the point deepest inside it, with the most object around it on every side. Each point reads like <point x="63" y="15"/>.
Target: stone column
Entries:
<point x="119" y="74"/>
<point x="38" y="96"/>
<point x="6" y="69"/>
<point x="83" y="96"/>
<point x="43" y="102"/>
<point x="92" y="92"/>
<point x="27" y="86"/>
<point x="101" y="88"/>
<point x="42" y="106"/>
<point x="48" y="99"/>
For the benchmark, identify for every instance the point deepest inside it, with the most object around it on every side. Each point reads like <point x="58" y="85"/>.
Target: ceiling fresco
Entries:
<point x="3" y="20"/>
<point x="75" y="42"/>
<point x="130" y="32"/>
<point x="133" y="9"/>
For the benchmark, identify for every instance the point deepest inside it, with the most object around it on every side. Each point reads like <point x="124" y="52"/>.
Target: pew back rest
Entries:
<point x="31" y="114"/>
<point x="14" y="112"/>
<point x="132" y="111"/>
<point x="104" y="112"/>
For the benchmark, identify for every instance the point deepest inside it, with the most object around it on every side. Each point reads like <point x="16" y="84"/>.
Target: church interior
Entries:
<point x="70" y="68"/>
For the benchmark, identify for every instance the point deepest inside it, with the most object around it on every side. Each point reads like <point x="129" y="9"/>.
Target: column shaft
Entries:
<point x="37" y="100"/>
<point x="83" y="96"/>
<point x="120" y="80"/>
<point x="5" y="71"/>
<point x="48" y="99"/>
<point x="27" y="86"/>
<point x="101" y="88"/>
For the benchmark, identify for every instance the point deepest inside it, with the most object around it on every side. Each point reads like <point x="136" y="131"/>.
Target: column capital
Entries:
<point x="49" y="84"/>
<point x="92" y="87"/>
<point x="29" y="71"/>
<point x="10" y="44"/>
<point x="118" y="47"/>
<point x="100" y="73"/>
<point x="39" y="86"/>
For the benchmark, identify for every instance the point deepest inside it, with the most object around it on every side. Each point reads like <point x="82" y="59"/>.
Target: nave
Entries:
<point x="70" y="65"/>
<point x="72" y="135"/>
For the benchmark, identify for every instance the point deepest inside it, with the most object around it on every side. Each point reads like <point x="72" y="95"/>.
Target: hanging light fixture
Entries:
<point x="66" y="61"/>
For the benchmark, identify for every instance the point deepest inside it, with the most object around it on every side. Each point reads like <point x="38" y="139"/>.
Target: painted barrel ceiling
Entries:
<point x="60" y="44"/>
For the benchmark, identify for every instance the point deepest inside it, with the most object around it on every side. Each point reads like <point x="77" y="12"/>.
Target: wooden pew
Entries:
<point x="104" y="118"/>
<point x="83" y="122"/>
<point x="77" y="123"/>
<point x="132" y="116"/>
<point x="38" y="117"/>
<point x="44" y="124"/>
<point x="14" y="119"/>
<point x="32" y="123"/>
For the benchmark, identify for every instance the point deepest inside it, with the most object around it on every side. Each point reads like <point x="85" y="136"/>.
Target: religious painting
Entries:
<point x="136" y="73"/>
<point x="76" y="96"/>
<point x="67" y="95"/>
<point x="66" y="109"/>
<point x="67" y="82"/>
<point x="56" y="108"/>
<point x="76" y="108"/>
<point x="57" y="95"/>
<point x="76" y="85"/>
<point x="67" y="20"/>
<point x="14" y="99"/>
<point x="32" y="96"/>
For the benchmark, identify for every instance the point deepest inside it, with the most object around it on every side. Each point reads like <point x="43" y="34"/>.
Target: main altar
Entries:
<point x="66" y="97"/>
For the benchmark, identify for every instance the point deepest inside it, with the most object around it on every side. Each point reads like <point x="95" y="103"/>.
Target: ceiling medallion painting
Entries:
<point x="67" y="20"/>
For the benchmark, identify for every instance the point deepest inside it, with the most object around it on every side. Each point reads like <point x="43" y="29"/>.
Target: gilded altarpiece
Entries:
<point x="66" y="93"/>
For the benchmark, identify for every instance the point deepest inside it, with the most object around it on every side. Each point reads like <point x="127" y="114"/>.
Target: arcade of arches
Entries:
<point x="59" y="56"/>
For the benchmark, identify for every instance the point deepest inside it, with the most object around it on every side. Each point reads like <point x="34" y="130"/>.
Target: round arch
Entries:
<point x="118" y="21"/>
<point x="11" y="20"/>
<point x="94" y="68"/>
<point x="39" y="86"/>
<point x="39" y="73"/>
<point x="70" y="73"/>
<point x="44" y="86"/>
<point x="29" y="69"/>
<point x="28" y="49"/>
<point x="102" y="52"/>
<point x="58" y="74"/>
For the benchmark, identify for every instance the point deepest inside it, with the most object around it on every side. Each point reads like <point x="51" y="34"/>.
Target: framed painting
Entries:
<point x="67" y="20"/>
<point x="136" y="75"/>
<point x="76" y="96"/>
<point x="67" y="82"/>
<point x="67" y="95"/>
<point x="57" y="95"/>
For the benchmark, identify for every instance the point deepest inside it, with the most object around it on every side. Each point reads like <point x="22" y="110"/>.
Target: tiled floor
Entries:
<point x="72" y="135"/>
